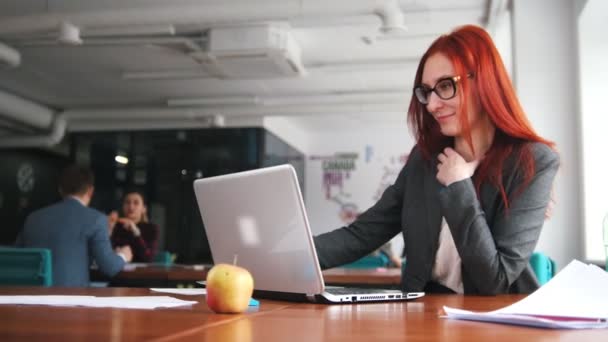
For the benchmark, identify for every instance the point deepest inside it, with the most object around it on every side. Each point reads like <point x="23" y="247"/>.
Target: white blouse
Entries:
<point x="447" y="268"/>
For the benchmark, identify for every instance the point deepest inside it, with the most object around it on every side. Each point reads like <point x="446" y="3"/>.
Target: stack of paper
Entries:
<point x="576" y="298"/>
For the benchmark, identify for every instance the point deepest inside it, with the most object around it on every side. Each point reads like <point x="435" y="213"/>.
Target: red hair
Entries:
<point x="472" y="52"/>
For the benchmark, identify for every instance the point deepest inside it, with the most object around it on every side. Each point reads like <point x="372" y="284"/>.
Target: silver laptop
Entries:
<point x="259" y="216"/>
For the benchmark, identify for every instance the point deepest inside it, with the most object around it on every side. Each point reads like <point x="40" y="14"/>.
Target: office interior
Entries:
<point x="203" y="88"/>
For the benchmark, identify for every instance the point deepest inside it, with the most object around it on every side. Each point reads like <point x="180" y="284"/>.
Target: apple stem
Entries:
<point x="236" y="258"/>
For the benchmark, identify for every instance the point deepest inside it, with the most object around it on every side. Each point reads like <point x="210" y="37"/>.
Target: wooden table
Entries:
<point x="417" y="320"/>
<point x="156" y="275"/>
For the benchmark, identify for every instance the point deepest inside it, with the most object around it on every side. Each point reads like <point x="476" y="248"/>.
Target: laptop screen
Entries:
<point x="259" y="215"/>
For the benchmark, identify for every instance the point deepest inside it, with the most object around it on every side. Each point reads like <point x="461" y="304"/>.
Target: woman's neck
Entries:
<point x="482" y="137"/>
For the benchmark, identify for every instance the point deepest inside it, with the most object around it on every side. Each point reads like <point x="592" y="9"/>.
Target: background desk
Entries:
<point x="389" y="277"/>
<point x="156" y="275"/>
<point x="272" y="321"/>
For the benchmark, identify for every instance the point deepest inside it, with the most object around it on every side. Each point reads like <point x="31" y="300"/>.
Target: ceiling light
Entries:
<point x="121" y="159"/>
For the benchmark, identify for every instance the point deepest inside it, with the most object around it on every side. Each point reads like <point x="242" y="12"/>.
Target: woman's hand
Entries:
<point x="453" y="168"/>
<point x="130" y="225"/>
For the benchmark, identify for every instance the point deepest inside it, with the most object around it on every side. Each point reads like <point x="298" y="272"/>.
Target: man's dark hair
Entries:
<point x="76" y="180"/>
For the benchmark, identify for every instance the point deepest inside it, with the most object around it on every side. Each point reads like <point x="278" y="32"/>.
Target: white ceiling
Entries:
<point x="353" y="69"/>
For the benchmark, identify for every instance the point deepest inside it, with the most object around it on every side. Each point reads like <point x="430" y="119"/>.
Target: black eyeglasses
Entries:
<point x="445" y="88"/>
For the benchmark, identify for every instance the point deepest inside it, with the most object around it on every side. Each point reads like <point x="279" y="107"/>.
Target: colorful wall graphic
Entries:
<point x="340" y="168"/>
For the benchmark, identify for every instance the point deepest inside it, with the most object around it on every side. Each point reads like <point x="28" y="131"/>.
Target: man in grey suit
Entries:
<point x="75" y="234"/>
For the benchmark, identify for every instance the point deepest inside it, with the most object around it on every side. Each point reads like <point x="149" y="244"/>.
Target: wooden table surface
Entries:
<point x="417" y="320"/>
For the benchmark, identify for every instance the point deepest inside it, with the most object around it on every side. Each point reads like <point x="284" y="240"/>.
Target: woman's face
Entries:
<point x="438" y="67"/>
<point x="133" y="206"/>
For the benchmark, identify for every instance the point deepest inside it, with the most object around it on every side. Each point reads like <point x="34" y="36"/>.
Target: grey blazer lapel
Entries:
<point x="423" y="244"/>
<point x="433" y="209"/>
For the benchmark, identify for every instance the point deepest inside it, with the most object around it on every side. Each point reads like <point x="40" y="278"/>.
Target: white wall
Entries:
<point x="545" y="64"/>
<point x="593" y="25"/>
<point x="283" y="128"/>
<point x="502" y="37"/>
<point x="380" y="153"/>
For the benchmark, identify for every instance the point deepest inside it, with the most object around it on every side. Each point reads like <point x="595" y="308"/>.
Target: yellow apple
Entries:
<point x="229" y="288"/>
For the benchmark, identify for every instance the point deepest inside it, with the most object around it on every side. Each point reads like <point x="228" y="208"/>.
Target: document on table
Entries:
<point x="195" y="292"/>
<point x="183" y="291"/>
<point x="576" y="298"/>
<point x="126" y="302"/>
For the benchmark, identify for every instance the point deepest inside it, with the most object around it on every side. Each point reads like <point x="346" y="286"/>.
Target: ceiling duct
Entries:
<point x="9" y="57"/>
<point x="250" y="51"/>
<point x="44" y="126"/>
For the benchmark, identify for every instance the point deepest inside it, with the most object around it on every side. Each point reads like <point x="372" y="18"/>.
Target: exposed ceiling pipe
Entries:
<point x="69" y="34"/>
<point x="495" y="9"/>
<point x="195" y="113"/>
<point x="83" y="120"/>
<point x="24" y="111"/>
<point x="97" y="125"/>
<point x="9" y="57"/>
<point x="93" y="14"/>
<point x="250" y="100"/>
<point x="53" y="137"/>
<point x="336" y="66"/>
<point x="392" y="17"/>
<point x="30" y="114"/>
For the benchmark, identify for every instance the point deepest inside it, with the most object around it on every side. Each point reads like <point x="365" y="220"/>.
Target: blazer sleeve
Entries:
<point x="369" y="231"/>
<point x="144" y="246"/>
<point x="494" y="257"/>
<point x="107" y="260"/>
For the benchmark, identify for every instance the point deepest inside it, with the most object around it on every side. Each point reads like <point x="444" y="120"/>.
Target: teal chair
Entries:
<point x="25" y="267"/>
<point x="370" y="261"/>
<point x="543" y="266"/>
<point x="163" y="257"/>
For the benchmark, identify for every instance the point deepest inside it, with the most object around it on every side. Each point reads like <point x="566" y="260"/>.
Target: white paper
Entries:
<point x="575" y="298"/>
<point x="128" y="302"/>
<point x="187" y="292"/>
<point x="522" y="320"/>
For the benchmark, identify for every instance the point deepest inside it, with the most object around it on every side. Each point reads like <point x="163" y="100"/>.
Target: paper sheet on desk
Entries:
<point x="128" y="302"/>
<point x="576" y="298"/>
<point x="195" y="292"/>
<point x="186" y="291"/>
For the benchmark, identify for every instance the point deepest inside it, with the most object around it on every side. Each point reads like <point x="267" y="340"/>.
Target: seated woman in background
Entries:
<point x="134" y="229"/>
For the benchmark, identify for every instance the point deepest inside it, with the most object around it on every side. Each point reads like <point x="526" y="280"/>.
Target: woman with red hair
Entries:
<point x="472" y="197"/>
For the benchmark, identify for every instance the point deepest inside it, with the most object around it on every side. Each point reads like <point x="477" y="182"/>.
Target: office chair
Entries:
<point x="370" y="261"/>
<point x="25" y="267"/>
<point x="163" y="257"/>
<point x="543" y="266"/>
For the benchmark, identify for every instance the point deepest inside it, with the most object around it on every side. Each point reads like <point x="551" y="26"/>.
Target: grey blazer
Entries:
<point x="76" y="235"/>
<point x="495" y="247"/>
